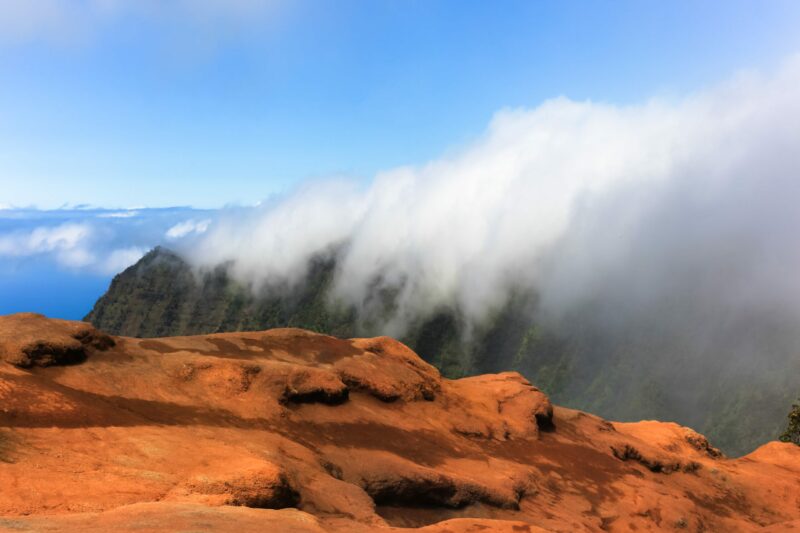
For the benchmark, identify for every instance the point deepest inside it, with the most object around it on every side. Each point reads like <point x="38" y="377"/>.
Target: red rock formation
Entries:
<point x="287" y="430"/>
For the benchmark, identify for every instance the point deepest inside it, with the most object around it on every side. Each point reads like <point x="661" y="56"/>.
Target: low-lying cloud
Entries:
<point x="628" y="204"/>
<point x="86" y="240"/>
<point x="187" y="227"/>
<point x="66" y="241"/>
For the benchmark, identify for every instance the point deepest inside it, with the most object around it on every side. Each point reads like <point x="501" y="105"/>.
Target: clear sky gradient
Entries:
<point x="119" y="103"/>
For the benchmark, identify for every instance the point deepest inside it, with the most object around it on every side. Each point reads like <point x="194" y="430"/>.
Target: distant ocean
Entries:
<point x="59" y="262"/>
<point x="46" y="289"/>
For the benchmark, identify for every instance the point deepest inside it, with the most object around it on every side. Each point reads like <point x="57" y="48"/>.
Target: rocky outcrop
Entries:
<point x="30" y="339"/>
<point x="288" y="430"/>
<point x="310" y="385"/>
<point x="389" y="371"/>
<point x="254" y="483"/>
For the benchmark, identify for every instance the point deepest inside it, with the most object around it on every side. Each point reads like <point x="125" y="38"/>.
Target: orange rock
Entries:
<point x="308" y="385"/>
<point x="287" y="430"/>
<point x="261" y="484"/>
<point x="28" y="339"/>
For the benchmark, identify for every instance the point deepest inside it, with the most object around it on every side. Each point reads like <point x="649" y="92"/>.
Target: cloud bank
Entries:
<point x="65" y="241"/>
<point x="88" y="240"/>
<point x="582" y="201"/>
<point x="187" y="227"/>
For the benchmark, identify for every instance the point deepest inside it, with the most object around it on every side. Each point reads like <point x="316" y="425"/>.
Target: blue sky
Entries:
<point x="119" y="103"/>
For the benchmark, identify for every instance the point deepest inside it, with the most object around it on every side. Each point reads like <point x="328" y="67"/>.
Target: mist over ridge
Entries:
<point x="581" y="201"/>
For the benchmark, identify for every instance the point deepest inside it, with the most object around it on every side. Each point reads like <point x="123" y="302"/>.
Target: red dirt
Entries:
<point x="287" y="430"/>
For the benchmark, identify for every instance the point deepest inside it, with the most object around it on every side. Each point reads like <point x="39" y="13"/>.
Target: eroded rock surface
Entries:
<point x="287" y="430"/>
<point x="30" y="339"/>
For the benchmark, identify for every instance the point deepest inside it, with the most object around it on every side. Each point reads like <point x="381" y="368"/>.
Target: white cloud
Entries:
<point x="73" y="245"/>
<point x="187" y="227"/>
<point x="92" y="240"/>
<point x="67" y="242"/>
<point x="459" y="230"/>
<point x="275" y="241"/>
<point x="44" y="239"/>
<point x="118" y="214"/>
<point x="120" y="259"/>
<point x="76" y="258"/>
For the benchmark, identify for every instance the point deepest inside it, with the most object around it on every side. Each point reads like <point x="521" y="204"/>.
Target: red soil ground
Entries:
<point x="287" y="430"/>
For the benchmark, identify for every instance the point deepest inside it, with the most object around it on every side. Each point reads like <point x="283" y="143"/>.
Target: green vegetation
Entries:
<point x="161" y="296"/>
<point x="792" y="433"/>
